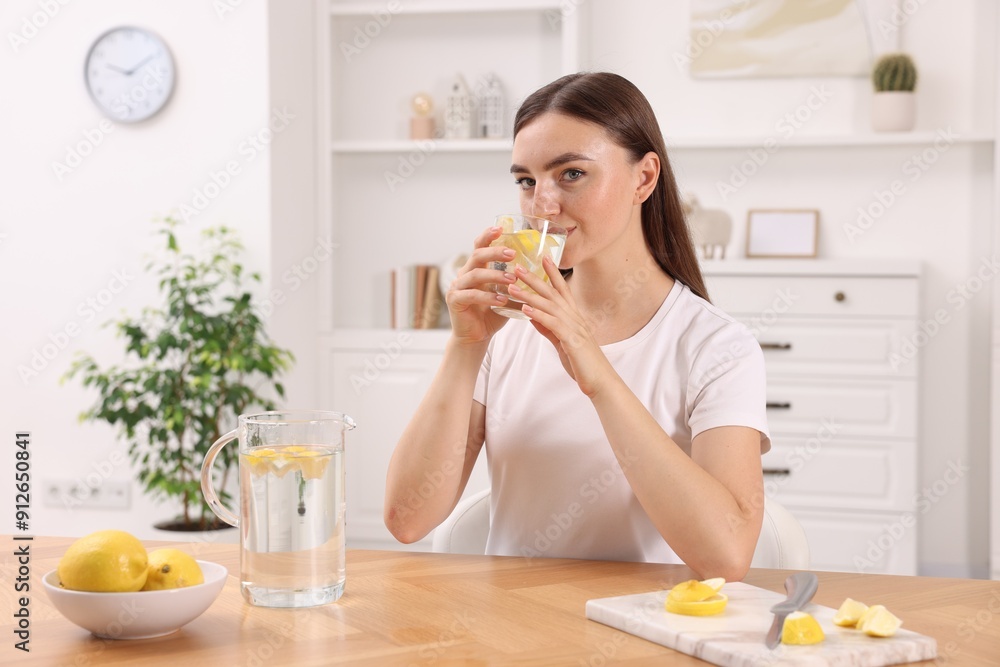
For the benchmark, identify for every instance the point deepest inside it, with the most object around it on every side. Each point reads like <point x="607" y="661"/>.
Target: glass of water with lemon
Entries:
<point x="532" y="239"/>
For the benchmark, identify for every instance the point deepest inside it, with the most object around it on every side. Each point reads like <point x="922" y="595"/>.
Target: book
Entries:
<point x="415" y="297"/>
<point x="432" y="302"/>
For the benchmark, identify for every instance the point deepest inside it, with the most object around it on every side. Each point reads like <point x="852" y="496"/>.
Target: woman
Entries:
<point x="626" y="419"/>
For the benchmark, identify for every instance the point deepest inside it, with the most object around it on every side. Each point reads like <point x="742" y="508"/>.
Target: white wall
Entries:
<point x="64" y="241"/>
<point x="942" y="219"/>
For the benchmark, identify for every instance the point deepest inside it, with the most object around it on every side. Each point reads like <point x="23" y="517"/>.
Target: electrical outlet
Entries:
<point x="71" y="494"/>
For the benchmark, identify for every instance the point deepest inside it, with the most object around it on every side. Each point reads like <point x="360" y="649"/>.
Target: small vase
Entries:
<point x="894" y="111"/>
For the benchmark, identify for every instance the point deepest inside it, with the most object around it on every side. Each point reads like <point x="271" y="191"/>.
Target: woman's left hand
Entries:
<point x="554" y="314"/>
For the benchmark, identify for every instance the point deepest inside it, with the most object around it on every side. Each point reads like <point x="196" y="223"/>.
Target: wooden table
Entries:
<point x="404" y="608"/>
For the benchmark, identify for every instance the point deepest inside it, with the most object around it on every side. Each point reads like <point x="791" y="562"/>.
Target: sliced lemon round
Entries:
<point x="849" y="613"/>
<point x="710" y="607"/>
<point x="801" y="629"/>
<point x="878" y="621"/>
<point x="692" y="591"/>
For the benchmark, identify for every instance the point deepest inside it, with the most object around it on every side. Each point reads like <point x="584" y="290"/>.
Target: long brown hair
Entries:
<point x="614" y="103"/>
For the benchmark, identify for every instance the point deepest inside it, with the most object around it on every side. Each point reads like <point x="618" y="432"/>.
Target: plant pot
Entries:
<point x="216" y="533"/>
<point x="894" y="111"/>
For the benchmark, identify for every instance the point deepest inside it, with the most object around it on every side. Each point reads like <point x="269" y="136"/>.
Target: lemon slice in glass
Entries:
<point x="527" y="242"/>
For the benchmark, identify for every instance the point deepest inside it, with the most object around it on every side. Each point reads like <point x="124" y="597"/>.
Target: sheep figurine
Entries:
<point x="710" y="228"/>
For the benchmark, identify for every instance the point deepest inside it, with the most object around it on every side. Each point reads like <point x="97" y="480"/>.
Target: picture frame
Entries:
<point x="784" y="233"/>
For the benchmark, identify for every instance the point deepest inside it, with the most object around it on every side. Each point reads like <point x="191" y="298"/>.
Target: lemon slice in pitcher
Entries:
<point x="312" y="462"/>
<point x="260" y="461"/>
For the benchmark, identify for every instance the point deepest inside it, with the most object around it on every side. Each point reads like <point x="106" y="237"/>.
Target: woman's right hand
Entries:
<point x="471" y="294"/>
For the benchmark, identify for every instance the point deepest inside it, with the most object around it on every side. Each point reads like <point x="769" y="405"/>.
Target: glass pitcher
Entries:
<point x="292" y="508"/>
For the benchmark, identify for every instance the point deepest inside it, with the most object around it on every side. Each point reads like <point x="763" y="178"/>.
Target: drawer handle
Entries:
<point x="839" y="296"/>
<point x="778" y="406"/>
<point x="775" y="346"/>
<point x="777" y="471"/>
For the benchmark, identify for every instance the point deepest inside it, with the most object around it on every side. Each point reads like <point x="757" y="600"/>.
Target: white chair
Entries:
<point x="782" y="544"/>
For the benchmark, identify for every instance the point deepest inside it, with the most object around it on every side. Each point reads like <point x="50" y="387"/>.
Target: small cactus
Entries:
<point x="894" y="71"/>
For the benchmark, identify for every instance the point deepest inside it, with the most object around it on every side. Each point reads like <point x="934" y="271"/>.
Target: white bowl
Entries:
<point x="138" y="615"/>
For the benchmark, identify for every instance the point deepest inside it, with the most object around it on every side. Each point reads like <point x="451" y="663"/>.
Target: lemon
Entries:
<point x="172" y="568"/>
<point x="507" y="224"/>
<point x="108" y="561"/>
<point x="801" y="628"/>
<point x="849" y="613"/>
<point x="878" y="621"/>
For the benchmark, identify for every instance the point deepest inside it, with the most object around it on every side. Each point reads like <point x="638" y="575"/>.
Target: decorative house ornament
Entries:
<point x="422" y="122"/>
<point x="458" y="110"/>
<point x="489" y="105"/>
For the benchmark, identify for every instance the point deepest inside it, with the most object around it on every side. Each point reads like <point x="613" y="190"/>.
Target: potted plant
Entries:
<point x="193" y="365"/>
<point x="894" y="106"/>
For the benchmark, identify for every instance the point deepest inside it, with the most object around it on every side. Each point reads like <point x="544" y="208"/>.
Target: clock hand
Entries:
<point x="145" y="60"/>
<point x="118" y="69"/>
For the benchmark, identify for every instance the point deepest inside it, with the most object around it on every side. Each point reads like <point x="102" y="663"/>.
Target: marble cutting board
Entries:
<point x="735" y="638"/>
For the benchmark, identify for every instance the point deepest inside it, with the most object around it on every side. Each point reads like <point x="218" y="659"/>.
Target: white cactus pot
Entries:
<point x="894" y="111"/>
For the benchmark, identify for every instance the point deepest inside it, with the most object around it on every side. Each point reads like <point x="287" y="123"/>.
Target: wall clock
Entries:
<point x="129" y="73"/>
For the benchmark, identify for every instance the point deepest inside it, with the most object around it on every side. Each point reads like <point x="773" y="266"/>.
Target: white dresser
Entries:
<point x="841" y="341"/>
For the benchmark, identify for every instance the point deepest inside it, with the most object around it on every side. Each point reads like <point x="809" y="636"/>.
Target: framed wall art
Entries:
<point x="782" y="233"/>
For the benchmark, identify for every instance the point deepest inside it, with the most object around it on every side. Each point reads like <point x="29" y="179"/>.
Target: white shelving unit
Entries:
<point x="827" y="141"/>
<point x="374" y="181"/>
<point x="372" y="59"/>
<point x="427" y="145"/>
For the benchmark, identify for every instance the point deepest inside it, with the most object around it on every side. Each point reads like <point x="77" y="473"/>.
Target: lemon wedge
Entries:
<point x="878" y="622"/>
<point x="801" y="629"/>
<point x="849" y="613"/>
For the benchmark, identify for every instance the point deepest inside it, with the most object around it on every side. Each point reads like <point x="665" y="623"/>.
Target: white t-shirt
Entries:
<point x="556" y="488"/>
